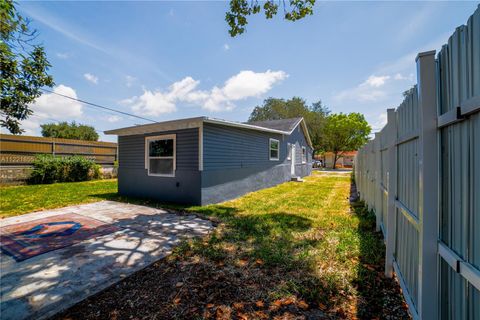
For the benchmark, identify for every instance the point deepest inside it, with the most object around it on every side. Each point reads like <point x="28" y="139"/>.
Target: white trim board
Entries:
<point x="198" y="122"/>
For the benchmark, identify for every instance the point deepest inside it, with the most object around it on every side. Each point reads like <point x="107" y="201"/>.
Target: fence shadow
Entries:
<point x="377" y="295"/>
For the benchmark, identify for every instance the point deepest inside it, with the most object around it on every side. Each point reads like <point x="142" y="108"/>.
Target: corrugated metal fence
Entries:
<point x="421" y="176"/>
<point x="21" y="150"/>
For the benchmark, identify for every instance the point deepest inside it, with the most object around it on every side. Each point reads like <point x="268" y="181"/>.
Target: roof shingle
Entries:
<point x="281" y="124"/>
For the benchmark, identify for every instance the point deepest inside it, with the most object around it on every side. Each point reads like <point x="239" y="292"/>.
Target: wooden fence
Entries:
<point x="421" y="177"/>
<point x="21" y="150"/>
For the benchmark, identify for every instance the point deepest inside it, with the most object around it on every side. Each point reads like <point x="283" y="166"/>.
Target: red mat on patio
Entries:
<point x="29" y="239"/>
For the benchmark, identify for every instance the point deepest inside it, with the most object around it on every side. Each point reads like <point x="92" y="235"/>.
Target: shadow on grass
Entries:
<point x="253" y="259"/>
<point x="378" y="296"/>
<point x="249" y="266"/>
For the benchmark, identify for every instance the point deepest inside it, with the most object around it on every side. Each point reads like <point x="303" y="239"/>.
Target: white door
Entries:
<point x="292" y="156"/>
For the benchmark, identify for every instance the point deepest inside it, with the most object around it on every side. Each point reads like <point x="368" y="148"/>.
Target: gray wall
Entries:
<point x="236" y="161"/>
<point x="133" y="179"/>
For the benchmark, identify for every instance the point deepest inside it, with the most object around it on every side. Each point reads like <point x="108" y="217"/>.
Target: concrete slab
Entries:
<point x="41" y="286"/>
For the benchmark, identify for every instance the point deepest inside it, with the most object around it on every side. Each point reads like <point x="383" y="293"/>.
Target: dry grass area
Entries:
<point x="294" y="251"/>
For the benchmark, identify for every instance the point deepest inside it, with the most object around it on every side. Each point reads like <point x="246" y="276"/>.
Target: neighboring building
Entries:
<point x="204" y="160"/>
<point x="345" y="159"/>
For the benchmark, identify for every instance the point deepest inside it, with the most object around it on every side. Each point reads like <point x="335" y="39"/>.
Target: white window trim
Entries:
<point x="270" y="149"/>
<point x="147" y="156"/>
<point x="289" y="151"/>
<point x="304" y="160"/>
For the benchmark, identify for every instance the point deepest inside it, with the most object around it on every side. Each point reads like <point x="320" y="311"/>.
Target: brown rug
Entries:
<point x="29" y="239"/>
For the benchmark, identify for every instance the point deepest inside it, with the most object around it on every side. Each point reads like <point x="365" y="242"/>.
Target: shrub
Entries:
<point x="51" y="169"/>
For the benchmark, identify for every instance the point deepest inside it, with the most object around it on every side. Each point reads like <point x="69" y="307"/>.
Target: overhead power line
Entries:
<point x="98" y="106"/>
<point x="59" y="121"/>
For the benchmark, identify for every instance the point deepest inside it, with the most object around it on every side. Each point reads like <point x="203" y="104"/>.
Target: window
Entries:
<point x="160" y="155"/>
<point x="289" y="147"/>
<point x="274" y="149"/>
<point x="304" y="155"/>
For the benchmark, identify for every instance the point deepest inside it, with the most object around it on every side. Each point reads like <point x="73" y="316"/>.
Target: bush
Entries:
<point x="51" y="169"/>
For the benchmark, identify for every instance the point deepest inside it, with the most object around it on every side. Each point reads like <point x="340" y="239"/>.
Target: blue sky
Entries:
<point x="169" y="60"/>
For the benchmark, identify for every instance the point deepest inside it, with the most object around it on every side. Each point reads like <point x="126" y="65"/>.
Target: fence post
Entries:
<point x="377" y="200"/>
<point x="392" y="192"/>
<point x="428" y="187"/>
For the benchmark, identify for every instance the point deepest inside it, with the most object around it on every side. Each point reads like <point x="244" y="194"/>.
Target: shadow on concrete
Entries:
<point x="43" y="285"/>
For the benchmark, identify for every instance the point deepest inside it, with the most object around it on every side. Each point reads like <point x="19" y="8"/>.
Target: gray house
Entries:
<point x="204" y="160"/>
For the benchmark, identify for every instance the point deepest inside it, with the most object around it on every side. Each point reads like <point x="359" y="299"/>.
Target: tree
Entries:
<point x="344" y="132"/>
<point x="69" y="131"/>
<point x="240" y="9"/>
<point x="24" y="68"/>
<point x="314" y="115"/>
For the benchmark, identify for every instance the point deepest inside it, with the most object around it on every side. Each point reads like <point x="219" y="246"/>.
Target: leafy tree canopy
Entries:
<point x="24" y="68"/>
<point x="315" y="115"/>
<point x="344" y="132"/>
<point x="236" y="17"/>
<point x="67" y="130"/>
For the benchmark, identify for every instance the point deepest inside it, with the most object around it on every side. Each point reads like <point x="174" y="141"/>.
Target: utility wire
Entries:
<point x="98" y="106"/>
<point x="55" y="120"/>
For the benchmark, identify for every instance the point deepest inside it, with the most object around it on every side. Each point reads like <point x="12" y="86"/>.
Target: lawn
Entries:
<point x="24" y="199"/>
<point x="294" y="251"/>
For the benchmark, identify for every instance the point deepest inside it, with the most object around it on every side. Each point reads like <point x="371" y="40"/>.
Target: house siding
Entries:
<point x="133" y="178"/>
<point x="236" y="161"/>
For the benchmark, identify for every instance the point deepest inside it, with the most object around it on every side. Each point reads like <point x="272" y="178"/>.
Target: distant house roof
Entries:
<point x="281" y="124"/>
<point x="285" y="126"/>
<point x="343" y="153"/>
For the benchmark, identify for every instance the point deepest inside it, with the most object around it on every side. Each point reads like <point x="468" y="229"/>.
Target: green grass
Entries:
<point x="303" y="239"/>
<point x="328" y="252"/>
<point x="24" y="199"/>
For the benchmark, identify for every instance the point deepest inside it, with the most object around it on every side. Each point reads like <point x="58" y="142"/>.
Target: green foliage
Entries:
<point x="50" y="169"/>
<point x="24" y="68"/>
<point x="69" y="131"/>
<point x="314" y="115"/>
<point x="344" y="132"/>
<point x="240" y="9"/>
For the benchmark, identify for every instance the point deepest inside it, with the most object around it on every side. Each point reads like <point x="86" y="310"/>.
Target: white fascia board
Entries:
<point x="158" y="127"/>
<point x="243" y="125"/>
<point x="305" y="131"/>
<point x="198" y="123"/>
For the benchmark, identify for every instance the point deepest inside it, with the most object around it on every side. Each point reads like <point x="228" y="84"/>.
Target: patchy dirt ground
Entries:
<point x="315" y="258"/>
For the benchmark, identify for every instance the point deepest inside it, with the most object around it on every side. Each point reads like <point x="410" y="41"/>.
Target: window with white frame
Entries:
<point x="289" y="155"/>
<point x="160" y="155"/>
<point x="274" y="149"/>
<point x="304" y="155"/>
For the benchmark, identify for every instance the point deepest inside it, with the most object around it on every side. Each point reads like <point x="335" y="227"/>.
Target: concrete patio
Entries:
<point x="41" y="286"/>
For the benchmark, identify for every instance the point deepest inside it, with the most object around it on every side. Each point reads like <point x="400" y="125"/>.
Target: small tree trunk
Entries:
<point x="334" y="160"/>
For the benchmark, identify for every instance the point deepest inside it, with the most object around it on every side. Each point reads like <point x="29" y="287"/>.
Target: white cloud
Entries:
<point x="375" y="81"/>
<point x="226" y="47"/>
<point x="367" y="91"/>
<point x="62" y="55"/>
<point x="31" y="127"/>
<point x="379" y="122"/>
<point x="129" y="80"/>
<point x="114" y="118"/>
<point x="399" y="76"/>
<point x="151" y="103"/>
<point x="50" y="105"/>
<point x="245" y="84"/>
<point x="91" y="77"/>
